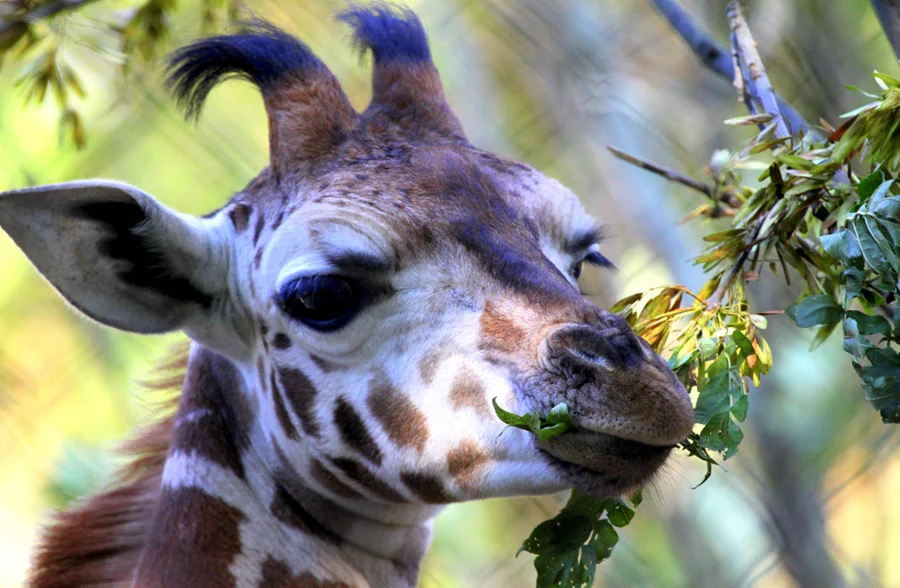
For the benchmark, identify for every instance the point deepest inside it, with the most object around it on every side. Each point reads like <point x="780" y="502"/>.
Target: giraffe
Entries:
<point x="352" y="312"/>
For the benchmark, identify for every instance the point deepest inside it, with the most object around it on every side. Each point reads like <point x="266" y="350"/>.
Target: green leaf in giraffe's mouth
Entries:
<point x="554" y="424"/>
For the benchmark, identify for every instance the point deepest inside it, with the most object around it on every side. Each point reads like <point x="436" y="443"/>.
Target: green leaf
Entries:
<point x="867" y="324"/>
<point x="545" y="433"/>
<point x="878" y="195"/>
<point x="842" y="245"/>
<point x="605" y="538"/>
<point x="636" y="498"/>
<point x="739" y="408"/>
<point x="759" y="321"/>
<point x="527" y="422"/>
<point x="708" y="347"/>
<point x="869" y="184"/>
<point x="872" y="254"/>
<point x="891" y="414"/>
<point x="743" y="344"/>
<point x="795" y="161"/>
<point x="714" y="398"/>
<point x="583" y="505"/>
<point x="618" y="512"/>
<point x="722" y="434"/>
<point x="559" y="414"/>
<point x="621" y="304"/>
<point x="555" y="568"/>
<point x="819" y="309"/>
<point x="557" y="422"/>
<point x="561" y="533"/>
<point x="887" y="209"/>
<point x="588" y="566"/>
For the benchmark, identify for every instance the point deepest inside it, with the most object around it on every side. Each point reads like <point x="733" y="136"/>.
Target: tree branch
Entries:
<point x="716" y="57"/>
<point x="755" y="81"/>
<point x="666" y="172"/>
<point x="888" y="12"/>
<point x="47" y="10"/>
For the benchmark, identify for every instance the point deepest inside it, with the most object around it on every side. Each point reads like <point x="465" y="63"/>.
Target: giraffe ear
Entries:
<point x="118" y="255"/>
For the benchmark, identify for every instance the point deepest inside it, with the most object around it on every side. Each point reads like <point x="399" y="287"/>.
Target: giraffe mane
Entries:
<point x="99" y="540"/>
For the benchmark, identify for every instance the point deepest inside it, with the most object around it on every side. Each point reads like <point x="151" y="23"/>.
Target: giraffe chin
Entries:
<point x="603" y="465"/>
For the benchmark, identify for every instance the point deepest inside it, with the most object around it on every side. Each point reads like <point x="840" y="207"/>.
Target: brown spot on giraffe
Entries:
<point x="281" y="412"/>
<point x="468" y="391"/>
<point x="211" y="389"/>
<point x="193" y="539"/>
<point x="464" y="461"/>
<point x="264" y="336"/>
<point x="323" y="364"/>
<point x="498" y="332"/>
<point x="404" y="423"/>
<point x="301" y="394"/>
<point x="327" y="479"/>
<point x="261" y="372"/>
<point x="429" y="365"/>
<point x="354" y="431"/>
<point x="240" y="216"/>
<point x="426" y="487"/>
<point x="278" y="219"/>
<point x="286" y="509"/>
<point x="365" y="478"/>
<point x="281" y="341"/>
<point x="260" y="224"/>
<point x="277" y="574"/>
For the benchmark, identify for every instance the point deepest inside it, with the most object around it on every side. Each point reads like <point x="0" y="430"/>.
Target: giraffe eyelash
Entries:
<point x="597" y="259"/>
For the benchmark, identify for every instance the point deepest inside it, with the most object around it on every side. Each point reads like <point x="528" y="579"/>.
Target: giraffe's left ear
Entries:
<point x="121" y="257"/>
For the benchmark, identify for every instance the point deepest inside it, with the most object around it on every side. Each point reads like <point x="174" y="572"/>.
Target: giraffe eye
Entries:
<point x="323" y="303"/>
<point x="576" y="269"/>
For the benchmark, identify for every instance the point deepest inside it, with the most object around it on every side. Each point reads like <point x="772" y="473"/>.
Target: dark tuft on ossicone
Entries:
<point x="262" y="54"/>
<point x="391" y="32"/>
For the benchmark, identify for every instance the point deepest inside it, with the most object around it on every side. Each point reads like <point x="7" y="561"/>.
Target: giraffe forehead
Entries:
<point x="433" y="197"/>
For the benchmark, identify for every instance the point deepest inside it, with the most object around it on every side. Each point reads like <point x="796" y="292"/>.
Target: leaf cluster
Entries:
<point x="808" y="214"/>
<point x="867" y="251"/>
<point x="40" y="37"/>
<point x="713" y="349"/>
<point x="570" y="545"/>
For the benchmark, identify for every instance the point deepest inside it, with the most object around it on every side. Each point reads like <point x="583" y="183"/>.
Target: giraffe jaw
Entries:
<point x="603" y="465"/>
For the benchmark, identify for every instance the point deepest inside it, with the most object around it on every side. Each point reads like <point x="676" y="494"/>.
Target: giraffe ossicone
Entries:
<point x="353" y="311"/>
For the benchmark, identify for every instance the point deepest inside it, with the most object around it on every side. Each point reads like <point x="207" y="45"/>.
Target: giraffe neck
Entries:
<point x="230" y="512"/>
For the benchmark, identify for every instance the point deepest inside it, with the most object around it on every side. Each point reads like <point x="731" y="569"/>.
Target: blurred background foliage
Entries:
<point x="810" y="500"/>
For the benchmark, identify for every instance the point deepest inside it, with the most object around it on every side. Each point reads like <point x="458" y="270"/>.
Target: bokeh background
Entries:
<point x="811" y="498"/>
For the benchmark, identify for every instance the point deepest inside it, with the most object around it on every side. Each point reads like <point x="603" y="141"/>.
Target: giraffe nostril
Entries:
<point x="609" y="348"/>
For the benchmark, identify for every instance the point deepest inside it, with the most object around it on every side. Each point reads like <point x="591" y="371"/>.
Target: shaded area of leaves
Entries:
<point x="570" y="545"/>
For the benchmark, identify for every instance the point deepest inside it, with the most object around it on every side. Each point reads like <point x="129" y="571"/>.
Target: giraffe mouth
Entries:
<point x="603" y="465"/>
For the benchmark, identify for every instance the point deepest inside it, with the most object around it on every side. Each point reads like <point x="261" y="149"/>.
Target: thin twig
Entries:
<point x="752" y="68"/>
<point x="716" y="57"/>
<point x="666" y="172"/>
<point x="888" y="12"/>
<point x="13" y="21"/>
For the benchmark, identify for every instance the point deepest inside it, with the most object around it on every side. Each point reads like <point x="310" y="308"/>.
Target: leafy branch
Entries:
<point x="39" y="35"/>
<point x="807" y="214"/>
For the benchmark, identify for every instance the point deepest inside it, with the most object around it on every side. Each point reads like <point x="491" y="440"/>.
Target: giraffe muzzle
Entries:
<point x="621" y="396"/>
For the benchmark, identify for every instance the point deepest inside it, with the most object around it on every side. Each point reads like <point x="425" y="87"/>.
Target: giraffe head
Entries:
<point x="374" y="288"/>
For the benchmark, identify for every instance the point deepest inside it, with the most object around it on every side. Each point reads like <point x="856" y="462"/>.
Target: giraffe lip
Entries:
<point x="603" y="465"/>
